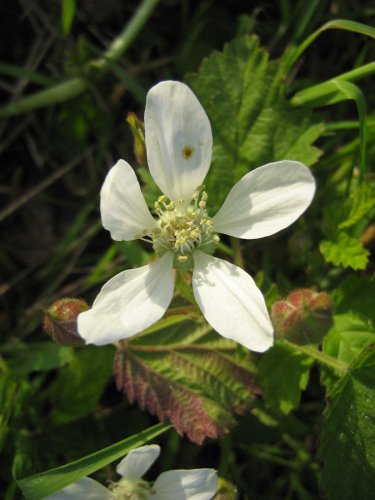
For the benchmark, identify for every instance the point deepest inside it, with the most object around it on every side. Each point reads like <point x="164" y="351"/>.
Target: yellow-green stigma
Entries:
<point x="183" y="227"/>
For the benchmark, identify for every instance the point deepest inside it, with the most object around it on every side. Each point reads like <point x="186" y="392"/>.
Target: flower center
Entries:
<point x="183" y="228"/>
<point x="128" y="489"/>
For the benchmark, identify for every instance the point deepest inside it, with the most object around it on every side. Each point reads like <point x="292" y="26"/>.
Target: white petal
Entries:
<point x="231" y="302"/>
<point x="122" y="205"/>
<point x="138" y="461"/>
<point x="129" y="303"/>
<point x="196" y="484"/>
<point x="178" y="139"/>
<point x="85" y="488"/>
<point x="266" y="200"/>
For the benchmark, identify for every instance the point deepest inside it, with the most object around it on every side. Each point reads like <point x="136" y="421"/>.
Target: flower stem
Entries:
<point x="237" y="254"/>
<point x="320" y="356"/>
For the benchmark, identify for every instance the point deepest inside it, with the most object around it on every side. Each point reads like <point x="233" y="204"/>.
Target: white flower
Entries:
<point x="195" y="484"/>
<point x="266" y="200"/>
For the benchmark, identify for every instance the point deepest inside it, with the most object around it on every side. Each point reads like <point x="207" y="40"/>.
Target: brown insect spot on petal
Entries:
<point x="187" y="152"/>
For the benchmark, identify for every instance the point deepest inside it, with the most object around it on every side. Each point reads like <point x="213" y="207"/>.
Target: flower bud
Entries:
<point x="60" y="321"/>
<point x="137" y="128"/>
<point x="303" y="317"/>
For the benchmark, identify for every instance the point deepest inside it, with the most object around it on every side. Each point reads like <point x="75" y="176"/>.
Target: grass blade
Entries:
<point x="48" y="482"/>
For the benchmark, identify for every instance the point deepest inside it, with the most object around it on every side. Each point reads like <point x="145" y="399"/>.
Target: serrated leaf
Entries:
<point x="189" y="377"/>
<point x="344" y="213"/>
<point x="348" y="438"/>
<point x="243" y="95"/>
<point x="345" y="251"/>
<point x="349" y="335"/>
<point x="77" y="389"/>
<point x="360" y="202"/>
<point x="283" y="374"/>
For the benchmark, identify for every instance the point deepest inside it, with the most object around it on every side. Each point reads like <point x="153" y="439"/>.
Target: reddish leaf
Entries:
<point x="197" y="386"/>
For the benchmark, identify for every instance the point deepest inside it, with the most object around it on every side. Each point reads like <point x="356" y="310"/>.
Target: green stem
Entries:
<point x="189" y="311"/>
<point x="126" y="37"/>
<point x="226" y="447"/>
<point x="320" y="356"/>
<point x="237" y="254"/>
<point x="74" y="87"/>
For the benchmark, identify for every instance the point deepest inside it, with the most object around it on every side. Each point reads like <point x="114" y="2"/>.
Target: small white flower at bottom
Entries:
<point x="195" y="484"/>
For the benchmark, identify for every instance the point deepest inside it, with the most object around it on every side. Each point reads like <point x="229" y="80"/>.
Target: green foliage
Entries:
<point x="356" y="294"/>
<point x="349" y="335"/>
<point x="243" y="94"/>
<point x="38" y="356"/>
<point x="345" y="251"/>
<point x="77" y="389"/>
<point x="339" y="220"/>
<point x="43" y="484"/>
<point x="67" y="98"/>
<point x="354" y="328"/>
<point x="190" y="376"/>
<point x="284" y="373"/>
<point x="347" y="443"/>
<point x="13" y="393"/>
<point x="68" y="8"/>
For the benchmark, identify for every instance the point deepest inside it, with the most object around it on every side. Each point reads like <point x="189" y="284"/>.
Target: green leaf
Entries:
<point x="13" y="392"/>
<point x="331" y="92"/>
<point x="340" y="24"/>
<point x="133" y="251"/>
<point x="77" y="389"/>
<point x="243" y="95"/>
<point x="192" y="377"/>
<point x="60" y="92"/>
<point x="284" y="373"/>
<point x="345" y="251"/>
<point x="345" y="212"/>
<point x="348" y="438"/>
<point x="68" y="8"/>
<point x="20" y="72"/>
<point x="361" y="201"/>
<point x="356" y="294"/>
<point x="43" y="484"/>
<point x="37" y="356"/>
<point x="349" y="335"/>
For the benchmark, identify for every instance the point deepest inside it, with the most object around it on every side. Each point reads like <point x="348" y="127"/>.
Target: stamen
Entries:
<point x="183" y="229"/>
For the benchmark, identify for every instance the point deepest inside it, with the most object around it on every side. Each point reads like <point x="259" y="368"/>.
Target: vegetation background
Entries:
<point x="57" y="142"/>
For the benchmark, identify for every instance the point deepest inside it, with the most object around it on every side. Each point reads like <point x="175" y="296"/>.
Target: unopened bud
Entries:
<point x="137" y="128"/>
<point x="303" y="317"/>
<point x="60" y="321"/>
